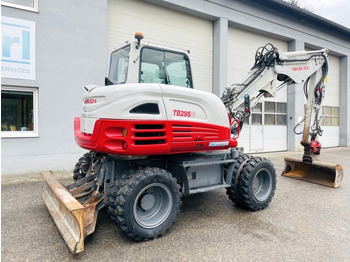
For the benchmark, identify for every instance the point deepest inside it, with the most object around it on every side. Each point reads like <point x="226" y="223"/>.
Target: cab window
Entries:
<point x="158" y="66"/>
<point x="118" y="68"/>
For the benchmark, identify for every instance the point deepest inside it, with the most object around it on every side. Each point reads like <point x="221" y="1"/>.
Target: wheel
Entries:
<point x="147" y="203"/>
<point x="256" y="184"/>
<point x="115" y="192"/>
<point x="82" y="166"/>
<point x="237" y="168"/>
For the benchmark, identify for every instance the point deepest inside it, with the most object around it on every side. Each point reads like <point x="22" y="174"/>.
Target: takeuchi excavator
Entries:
<point x="152" y="138"/>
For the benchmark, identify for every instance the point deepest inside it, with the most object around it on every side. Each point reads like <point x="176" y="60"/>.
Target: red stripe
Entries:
<point x="153" y="137"/>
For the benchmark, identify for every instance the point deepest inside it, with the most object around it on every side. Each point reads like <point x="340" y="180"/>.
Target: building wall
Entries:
<point x="164" y="27"/>
<point x="331" y="105"/>
<point x="71" y="52"/>
<point x="257" y="17"/>
<point x="73" y="39"/>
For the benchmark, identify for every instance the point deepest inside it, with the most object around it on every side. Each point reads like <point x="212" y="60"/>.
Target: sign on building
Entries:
<point x="18" y="48"/>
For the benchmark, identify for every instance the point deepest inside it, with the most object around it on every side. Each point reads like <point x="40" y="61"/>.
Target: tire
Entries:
<point x="147" y="203"/>
<point x="232" y="191"/>
<point x="115" y="192"/>
<point x="82" y="166"/>
<point x="256" y="184"/>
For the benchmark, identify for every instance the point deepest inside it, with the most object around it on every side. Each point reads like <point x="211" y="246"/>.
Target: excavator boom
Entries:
<point x="309" y="68"/>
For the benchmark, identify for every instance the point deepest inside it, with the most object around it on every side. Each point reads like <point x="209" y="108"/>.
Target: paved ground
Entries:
<point x="304" y="222"/>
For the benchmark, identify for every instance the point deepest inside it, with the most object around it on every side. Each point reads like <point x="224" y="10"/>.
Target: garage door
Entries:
<point x="267" y="130"/>
<point x="165" y="27"/>
<point x="330" y="106"/>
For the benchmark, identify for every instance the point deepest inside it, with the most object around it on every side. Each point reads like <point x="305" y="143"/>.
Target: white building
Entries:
<point x="52" y="49"/>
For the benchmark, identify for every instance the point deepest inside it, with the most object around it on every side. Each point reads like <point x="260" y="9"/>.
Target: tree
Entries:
<point x="297" y="4"/>
<point x="293" y="2"/>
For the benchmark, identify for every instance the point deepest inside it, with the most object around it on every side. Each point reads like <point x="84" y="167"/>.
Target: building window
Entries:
<point x="30" y="5"/>
<point x="275" y="113"/>
<point x="330" y="116"/>
<point x="19" y="111"/>
<point x="257" y="114"/>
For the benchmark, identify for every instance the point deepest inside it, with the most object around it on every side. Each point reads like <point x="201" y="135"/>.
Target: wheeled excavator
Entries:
<point x="152" y="138"/>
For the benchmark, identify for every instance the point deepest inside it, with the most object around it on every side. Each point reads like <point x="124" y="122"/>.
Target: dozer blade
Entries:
<point x="74" y="220"/>
<point x="66" y="211"/>
<point x="318" y="172"/>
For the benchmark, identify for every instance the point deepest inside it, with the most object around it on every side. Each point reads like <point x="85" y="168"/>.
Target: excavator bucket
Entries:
<point x="316" y="172"/>
<point x="75" y="220"/>
<point x="310" y="169"/>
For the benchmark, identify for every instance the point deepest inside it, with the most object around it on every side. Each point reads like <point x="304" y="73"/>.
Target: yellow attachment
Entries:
<point x="318" y="172"/>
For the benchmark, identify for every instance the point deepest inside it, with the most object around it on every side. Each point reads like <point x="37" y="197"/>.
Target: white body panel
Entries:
<point x="174" y="103"/>
<point x="206" y="107"/>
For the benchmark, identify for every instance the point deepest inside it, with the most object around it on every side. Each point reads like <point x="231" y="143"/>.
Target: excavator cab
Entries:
<point x="138" y="62"/>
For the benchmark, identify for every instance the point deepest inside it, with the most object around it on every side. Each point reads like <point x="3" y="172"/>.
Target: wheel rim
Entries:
<point x="262" y="185"/>
<point x="152" y="205"/>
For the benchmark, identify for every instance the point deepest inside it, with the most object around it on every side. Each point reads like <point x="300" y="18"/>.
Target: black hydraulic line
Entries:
<point x="299" y="123"/>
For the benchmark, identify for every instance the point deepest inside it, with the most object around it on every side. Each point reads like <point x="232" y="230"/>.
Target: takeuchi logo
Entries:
<point x="300" y="68"/>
